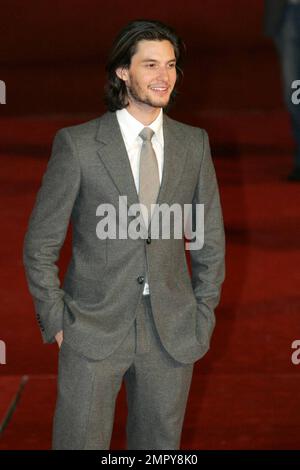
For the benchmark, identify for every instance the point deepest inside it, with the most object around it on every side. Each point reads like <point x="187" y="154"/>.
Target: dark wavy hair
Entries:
<point x="125" y="46"/>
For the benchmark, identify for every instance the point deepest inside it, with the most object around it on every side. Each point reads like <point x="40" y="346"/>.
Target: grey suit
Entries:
<point x="102" y="291"/>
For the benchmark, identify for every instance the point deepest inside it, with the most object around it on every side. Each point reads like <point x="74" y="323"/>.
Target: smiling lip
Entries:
<point x="159" y="89"/>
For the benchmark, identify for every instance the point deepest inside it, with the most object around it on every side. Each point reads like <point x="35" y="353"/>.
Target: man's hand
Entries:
<point x="59" y="338"/>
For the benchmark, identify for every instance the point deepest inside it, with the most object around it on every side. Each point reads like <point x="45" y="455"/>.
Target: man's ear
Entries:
<point x="122" y="73"/>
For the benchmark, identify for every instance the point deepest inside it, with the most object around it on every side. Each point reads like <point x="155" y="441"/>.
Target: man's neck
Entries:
<point x="145" y="116"/>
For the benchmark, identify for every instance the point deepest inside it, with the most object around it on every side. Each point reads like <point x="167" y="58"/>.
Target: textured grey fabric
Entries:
<point x="87" y="392"/>
<point x="95" y="307"/>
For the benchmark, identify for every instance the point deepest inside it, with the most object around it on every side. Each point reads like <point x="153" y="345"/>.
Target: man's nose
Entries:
<point x="163" y="74"/>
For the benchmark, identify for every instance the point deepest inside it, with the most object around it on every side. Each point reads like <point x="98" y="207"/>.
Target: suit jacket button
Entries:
<point x="140" y="279"/>
<point x="148" y="240"/>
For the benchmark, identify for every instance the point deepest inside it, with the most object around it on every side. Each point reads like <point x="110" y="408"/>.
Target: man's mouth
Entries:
<point x="159" y="89"/>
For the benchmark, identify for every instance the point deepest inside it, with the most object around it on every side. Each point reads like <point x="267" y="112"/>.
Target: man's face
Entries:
<point x="151" y="76"/>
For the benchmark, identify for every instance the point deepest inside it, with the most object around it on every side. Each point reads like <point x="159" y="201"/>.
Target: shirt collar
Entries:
<point x="131" y="127"/>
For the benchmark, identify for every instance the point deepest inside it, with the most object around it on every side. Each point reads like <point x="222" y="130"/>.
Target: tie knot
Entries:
<point x="146" y="134"/>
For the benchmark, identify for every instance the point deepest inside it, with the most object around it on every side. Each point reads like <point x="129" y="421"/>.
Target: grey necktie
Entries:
<point x="149" y="176"/>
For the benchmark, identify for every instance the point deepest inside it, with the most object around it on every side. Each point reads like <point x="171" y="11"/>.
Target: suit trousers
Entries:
<point x="157" y="388"/>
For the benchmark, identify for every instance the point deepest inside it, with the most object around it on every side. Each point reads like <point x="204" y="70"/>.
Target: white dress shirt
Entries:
<point x="130" y="129"/>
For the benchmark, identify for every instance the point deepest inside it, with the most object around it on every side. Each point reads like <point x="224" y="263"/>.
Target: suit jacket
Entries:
<point x="96" y="305"/>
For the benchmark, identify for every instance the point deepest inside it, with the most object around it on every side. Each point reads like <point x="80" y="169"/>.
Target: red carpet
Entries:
<point x="9" y="388"/>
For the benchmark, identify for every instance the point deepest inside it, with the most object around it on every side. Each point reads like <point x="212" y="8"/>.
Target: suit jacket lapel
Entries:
<point x="112" y="151"/>
<point x="175" y="153"/>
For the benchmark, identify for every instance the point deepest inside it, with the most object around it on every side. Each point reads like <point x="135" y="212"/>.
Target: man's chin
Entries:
<point x="159" y="102"/>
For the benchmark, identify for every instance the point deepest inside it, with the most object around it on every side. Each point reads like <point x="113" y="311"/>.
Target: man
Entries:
<point x="282" y="23"/>
<point x="128" y="308"/>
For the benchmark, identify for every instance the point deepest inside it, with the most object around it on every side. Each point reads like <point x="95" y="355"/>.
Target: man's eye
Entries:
<point x="152" y="65"/>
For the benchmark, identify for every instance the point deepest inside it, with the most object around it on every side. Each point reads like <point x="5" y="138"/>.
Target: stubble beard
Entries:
<point x="134" y="94"/>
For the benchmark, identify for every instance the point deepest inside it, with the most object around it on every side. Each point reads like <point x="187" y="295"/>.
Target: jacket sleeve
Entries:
<point x="208" y="262"/>
<point x="46" y="233"/>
